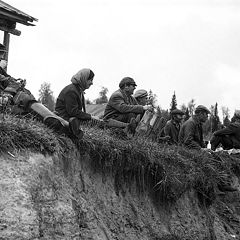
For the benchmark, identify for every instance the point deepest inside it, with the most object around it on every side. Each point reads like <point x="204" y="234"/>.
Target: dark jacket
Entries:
<point x="4" y="79"/>
<point x="71" y="103"/>
<point x="232" y="130"/>
<point x="120" y="103"/>
<point x="172" y="129"/>
<point x="191" y="134"/>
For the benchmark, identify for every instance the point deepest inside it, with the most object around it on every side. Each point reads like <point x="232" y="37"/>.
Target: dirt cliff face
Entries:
<point x="48" y="197"/>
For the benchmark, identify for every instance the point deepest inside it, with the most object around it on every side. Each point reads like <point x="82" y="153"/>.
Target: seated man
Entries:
<point x="141" y="96"/>
<point x="172" y="126"/>
<point x="191" y="132"/>
<point x="228" y="137"/>
<point x="122" y="106"/>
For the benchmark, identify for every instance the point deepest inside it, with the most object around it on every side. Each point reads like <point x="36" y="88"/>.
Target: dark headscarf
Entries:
<point x="81" y="77"/>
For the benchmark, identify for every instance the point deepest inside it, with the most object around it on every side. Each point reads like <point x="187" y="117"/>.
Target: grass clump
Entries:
<point x="23" y="133"/>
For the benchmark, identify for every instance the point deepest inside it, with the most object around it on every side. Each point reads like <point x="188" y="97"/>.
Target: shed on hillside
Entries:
<point x="9" y="17"/>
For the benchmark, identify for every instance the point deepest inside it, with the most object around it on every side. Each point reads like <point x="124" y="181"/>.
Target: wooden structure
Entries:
<point x="9" y="17"/>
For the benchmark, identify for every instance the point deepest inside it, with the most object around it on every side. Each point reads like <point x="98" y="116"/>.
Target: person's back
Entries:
<point x="191" y="132"/>
<point x="228" y="137"/>
<point x="70" y="102"/>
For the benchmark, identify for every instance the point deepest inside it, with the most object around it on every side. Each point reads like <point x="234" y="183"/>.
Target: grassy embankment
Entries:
<point x="166" y="172"/>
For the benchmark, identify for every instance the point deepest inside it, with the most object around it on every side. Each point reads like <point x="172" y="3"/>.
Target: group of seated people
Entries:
<point x="124" y="110"/>
<point x="124" y="107"/>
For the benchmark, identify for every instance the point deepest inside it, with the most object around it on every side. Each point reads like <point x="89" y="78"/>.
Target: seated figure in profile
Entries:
<point x="122" y="106"/>
<point x="228" y="137"/>
<point x="172" y="126"/>
<point x="141" y="96"/>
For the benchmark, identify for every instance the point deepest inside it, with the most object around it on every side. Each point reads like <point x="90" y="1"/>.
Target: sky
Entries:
<point x="190" y="47"/>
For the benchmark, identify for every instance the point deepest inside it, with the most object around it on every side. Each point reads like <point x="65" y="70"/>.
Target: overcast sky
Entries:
<point x="190" y="47"/>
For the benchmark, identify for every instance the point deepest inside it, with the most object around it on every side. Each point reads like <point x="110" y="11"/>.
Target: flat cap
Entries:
<point x="127" y="80"/>
<point x="201" y="108"/>
<point x="140" y="93"/>
<point x="177" y="111"/>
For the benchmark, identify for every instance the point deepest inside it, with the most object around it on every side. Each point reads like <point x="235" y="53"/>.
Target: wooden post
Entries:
<point x="6" y="41"/>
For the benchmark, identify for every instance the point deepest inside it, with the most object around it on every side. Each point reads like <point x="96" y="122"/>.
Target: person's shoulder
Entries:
<point x="188" y="122"/>
<point x="134" y="99"/>
<point x="117" y="93"/>
<point x="68" y="89"/>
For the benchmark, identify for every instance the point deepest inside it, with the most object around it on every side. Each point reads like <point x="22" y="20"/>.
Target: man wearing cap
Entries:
<point x="228" y="137"/>
<point x="172" y="126"/>
<point x="141" y="96"/>
<point x="122" y="106"/>
<point x="191" y="132"/>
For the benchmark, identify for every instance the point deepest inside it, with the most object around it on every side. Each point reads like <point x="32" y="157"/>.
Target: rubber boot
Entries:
<point x="57" y="123"/>
<point x="74" y="126"/>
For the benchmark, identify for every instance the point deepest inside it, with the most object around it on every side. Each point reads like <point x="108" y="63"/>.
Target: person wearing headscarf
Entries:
<point x="70" y="102"/>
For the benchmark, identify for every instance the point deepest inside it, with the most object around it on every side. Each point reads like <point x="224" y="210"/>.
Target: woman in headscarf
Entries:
<point x="70" y="102"/>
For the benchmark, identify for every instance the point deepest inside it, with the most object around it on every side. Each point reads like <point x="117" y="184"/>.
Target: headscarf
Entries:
<point x="81" y="77"/>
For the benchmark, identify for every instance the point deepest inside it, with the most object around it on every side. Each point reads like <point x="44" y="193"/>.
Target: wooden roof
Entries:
<point x="9" y="16"/>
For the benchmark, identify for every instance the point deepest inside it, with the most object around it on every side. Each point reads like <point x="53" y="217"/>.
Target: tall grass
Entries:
<point x="165" y="172"/>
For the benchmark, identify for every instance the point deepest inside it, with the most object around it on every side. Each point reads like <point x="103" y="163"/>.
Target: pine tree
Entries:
<point x="173" y="104"/>
<point x="187" y="115"/>
<point x="191" y="107"/>
<point x="215" y="121"/>
<point x="152" y="98"/>
<point x="226" y="121"/>
<point x="225" y="113"/>
<point x="46" y="96"/>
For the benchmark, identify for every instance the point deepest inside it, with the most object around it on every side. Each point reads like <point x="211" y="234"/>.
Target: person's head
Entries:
<point x="177" y="115"/>
<point x="3" y="50"/>
<point x="128" y="85"/>
<point x="83" y="78"/>
<point x="141" y="96"/>
<point x="202" y="113"/>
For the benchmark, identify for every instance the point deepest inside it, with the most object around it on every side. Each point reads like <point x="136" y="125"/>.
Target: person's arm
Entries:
<point x="72" y="107"/>
<point x="189" y="137"/>
<point x="119" y="104"/>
